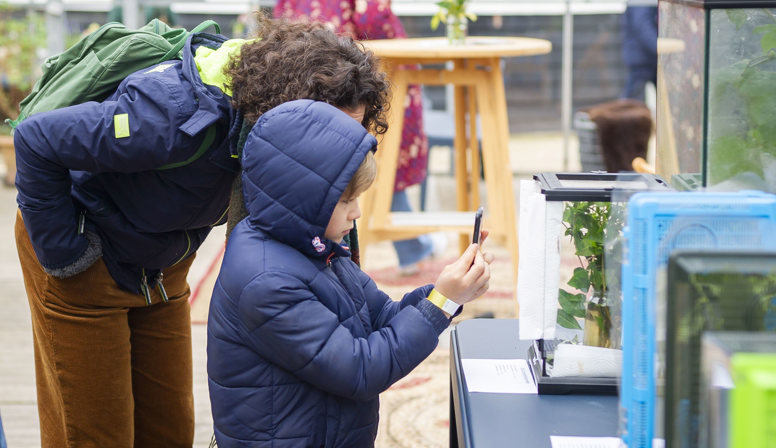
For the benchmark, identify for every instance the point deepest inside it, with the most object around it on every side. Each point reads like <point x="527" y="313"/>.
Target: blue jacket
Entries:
<point x="300" y="340"/>
<point x="78" y="169"/>
<point x="639" y="39"/>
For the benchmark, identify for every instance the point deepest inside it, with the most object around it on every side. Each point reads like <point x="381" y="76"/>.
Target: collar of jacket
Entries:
<point x="211" y="62"/>
<point x="211" y="100"/>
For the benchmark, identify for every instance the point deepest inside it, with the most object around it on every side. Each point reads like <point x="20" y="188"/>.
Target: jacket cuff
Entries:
<point x="92" y="253"/>
<point x="434" y="315"/>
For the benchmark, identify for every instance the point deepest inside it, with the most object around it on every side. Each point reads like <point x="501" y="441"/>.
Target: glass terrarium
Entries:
<point x="568" y="290"/>
<point x="716" y="94"/>
<point x="738" y="395"/>
<point x="659" y="318"/>
<point x="709" y="290"/>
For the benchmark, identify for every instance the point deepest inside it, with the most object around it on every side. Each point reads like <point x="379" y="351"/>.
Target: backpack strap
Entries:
<point x="173" y="53"/>
<point x="210" y="137"/>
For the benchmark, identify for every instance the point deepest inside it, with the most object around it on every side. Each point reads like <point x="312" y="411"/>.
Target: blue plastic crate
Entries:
<point x="656" y="224"/>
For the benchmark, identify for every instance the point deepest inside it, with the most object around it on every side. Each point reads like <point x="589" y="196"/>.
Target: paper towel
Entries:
<point x="539" y="230"/>
<point x="530" y="268"/>
<point x="586" y="361"/>
<point x="553" y="230"/>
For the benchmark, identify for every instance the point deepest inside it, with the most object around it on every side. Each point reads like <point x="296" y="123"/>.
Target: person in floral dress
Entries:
<point x="373" y="19"/>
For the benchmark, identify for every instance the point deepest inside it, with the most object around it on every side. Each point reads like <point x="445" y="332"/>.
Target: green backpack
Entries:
<point x="94" y="67"/>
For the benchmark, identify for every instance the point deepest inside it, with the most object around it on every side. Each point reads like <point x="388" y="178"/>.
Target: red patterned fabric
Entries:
<point x="372" y="19"/>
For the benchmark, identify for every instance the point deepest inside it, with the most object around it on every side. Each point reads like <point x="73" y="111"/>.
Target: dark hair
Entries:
<point x="291" y="61"/>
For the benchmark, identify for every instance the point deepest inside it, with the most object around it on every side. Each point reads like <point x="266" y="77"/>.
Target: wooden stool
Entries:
<point x="475" y="72"/>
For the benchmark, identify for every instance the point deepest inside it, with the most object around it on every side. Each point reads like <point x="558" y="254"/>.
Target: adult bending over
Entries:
<point x="112" y="215"/>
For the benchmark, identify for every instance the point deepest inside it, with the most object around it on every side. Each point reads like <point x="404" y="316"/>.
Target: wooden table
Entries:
<point x="474" y="69"/>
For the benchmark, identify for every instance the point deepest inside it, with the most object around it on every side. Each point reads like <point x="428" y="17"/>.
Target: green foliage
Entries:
<point x="736" y="16"/>
<point x="768" y="40"/>
<point x="22" y="38"/>
<point x="586" y="226"/>
<point x="571" y="307"/>
<point x="742" y="97"/>
<point x="710" y="288"/>
<point x="455" y="8"/>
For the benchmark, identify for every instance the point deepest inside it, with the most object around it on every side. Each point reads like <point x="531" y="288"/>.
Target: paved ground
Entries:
<point x="17" y="387"/>
<point x="529" y="154"/>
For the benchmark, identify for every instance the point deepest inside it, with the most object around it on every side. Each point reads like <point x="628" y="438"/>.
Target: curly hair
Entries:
<point x="294" y="60"/>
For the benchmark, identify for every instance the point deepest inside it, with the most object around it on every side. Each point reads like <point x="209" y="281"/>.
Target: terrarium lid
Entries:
<point x="596" y="187"/>
<point x="720" y="4"/>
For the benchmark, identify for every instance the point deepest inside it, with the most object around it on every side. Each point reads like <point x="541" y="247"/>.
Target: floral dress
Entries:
<point x="372" y="19"/>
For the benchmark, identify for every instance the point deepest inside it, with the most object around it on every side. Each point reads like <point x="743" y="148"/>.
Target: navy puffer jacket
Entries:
<point x="300" y="340"/>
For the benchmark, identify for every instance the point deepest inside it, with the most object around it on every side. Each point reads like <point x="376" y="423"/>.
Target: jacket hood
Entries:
<point x="297" y="161"/>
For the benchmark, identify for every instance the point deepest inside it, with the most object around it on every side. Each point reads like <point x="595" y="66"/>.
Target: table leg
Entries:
<point x="474" y="153"/>
<point x="376" y="202"/>
<point x="498" y="173"/>
<point x="459" y="147"/>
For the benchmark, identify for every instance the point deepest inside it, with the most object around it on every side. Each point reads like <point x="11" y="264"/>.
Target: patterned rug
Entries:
<point x="414" y="412"/>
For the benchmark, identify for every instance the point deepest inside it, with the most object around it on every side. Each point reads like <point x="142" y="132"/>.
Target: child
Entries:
<point x="300" y="341"/>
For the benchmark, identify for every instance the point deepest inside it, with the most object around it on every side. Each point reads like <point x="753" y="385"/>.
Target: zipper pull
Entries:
<point x="161" y="287"/>
<point x="144" y="288"/>
<point x="81" y="223"/>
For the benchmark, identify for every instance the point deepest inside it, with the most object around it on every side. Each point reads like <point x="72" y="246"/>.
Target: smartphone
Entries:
<point x="477" y="223"/>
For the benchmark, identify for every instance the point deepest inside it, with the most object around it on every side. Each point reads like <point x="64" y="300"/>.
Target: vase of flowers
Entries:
<point x="456" y="18"/>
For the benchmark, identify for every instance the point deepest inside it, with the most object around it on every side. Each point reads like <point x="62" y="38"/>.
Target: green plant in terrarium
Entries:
<point x="455" y="14"/>
<point x="588" y="226"/>
<point x="754" y="296"/>
<point x="742" y="103"/>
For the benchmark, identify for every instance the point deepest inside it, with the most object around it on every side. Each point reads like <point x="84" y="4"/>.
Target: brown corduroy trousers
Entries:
<point x="111" y="371"/>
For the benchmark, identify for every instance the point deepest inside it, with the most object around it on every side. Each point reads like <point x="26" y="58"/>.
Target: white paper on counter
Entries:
<point x="585" y="442"/>
<point x="500" y="376"/>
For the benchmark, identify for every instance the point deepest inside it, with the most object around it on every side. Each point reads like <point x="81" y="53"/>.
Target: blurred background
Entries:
<point x="585" y="68"/>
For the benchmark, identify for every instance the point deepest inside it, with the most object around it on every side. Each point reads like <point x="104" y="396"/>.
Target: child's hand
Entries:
<point x="466" y="278"/>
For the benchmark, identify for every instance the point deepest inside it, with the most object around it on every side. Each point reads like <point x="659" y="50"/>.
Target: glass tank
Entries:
<point x="709" y="290"/>
<point x="568" y="276"/>
<point x="582" y="225"/>
<point x="738" y="389"/>
<point x="716" y="94"/>
<point x="654" y="304"/>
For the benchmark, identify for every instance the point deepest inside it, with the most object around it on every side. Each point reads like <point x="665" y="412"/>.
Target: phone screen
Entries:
<point x="477" y="223"/>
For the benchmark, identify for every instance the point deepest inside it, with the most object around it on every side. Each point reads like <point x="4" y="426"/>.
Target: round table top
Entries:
<point x="475" y="47"/>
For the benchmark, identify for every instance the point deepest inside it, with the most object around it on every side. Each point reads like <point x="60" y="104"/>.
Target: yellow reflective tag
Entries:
<point x="121" y="125"/>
